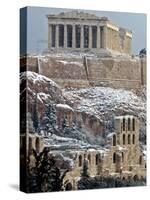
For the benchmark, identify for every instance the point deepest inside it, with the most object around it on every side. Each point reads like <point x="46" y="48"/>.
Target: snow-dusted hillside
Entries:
<point x="106" y="103"/>
<point x="101" y="102"/>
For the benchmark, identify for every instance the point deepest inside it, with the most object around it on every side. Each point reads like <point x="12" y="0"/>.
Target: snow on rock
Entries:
<point x="64" y="107"/>
<point x="103" y="103"/>
<point x="36" y="77"/>
<point x="110" y="135"/>
<point x="70" y="63"/>
<point x="121" y="148"/>
<point x="45" y="89"/>
<point x="106" y="103"/>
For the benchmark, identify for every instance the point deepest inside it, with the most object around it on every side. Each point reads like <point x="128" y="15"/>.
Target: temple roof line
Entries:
<point x="80" y="15"/>
<point x="77" y="15"/>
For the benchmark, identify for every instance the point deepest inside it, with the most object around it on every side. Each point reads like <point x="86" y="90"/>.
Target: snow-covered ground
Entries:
<point x="102" y="102"/>
<point x="106" y="102"/>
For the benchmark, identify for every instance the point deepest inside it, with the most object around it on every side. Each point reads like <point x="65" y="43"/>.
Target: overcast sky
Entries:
<point x="37" y="27"/>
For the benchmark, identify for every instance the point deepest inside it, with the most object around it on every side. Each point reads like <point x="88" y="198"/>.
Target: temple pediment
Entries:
<point x="77" y="15"/>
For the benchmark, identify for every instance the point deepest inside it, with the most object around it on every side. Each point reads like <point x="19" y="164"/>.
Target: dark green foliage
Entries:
<point x="35" y="117"/>
<point x="74" y="131"/>
<point x="107" y="182"/>
<point x="45" y="176"/>
<point x="51" y="114"/>
<point x="49" y="120"/>
<point x="143" y="52"/>
<point x="65" y="123"/>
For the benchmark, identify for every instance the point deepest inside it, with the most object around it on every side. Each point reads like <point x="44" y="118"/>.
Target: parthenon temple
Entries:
<point x="80" y="31"/>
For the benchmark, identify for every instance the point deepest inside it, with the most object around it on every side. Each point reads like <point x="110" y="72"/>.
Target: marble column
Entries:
<point x="98" y="37"/>
<point x="105" y="37"/>
<point x="57" y="36"/>
<point x="49" y="36"/>
<point x="73" y="36"/>
<point x="90" y="37"/>
<point x="65" y="36"/>
<point x="82" y="37"/>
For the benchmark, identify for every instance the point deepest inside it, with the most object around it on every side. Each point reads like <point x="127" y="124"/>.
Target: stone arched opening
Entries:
<point x="133" y="124"/>
<point x="96" y="159"/>
<point x="124" y="124"/>
<point x="122" y="154"/>
<point x="140" y="160"/>
<point x="124" y="139"/>
<point x="135" y="178"/>
<point x="133" y="139"/>
<point x="80" y="161"/>
<point x="68" y="186"/>
<point x="114" y="157"/>
<point x="129" y="124"/>
<point x="114" y="140"/>
<point x="129" y="139"/>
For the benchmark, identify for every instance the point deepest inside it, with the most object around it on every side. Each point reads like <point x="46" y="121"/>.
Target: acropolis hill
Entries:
<point x="85" y="50"/>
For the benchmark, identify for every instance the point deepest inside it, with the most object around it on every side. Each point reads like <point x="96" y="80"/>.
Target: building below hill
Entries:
<point x="121" y="157"/>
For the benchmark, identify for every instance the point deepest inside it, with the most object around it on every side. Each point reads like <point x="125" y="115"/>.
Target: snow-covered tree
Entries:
<point x="143" y="52"/>
<point x="49" y="120"/>
<point x="35" y="117"/>
<point x="30" y="126"/>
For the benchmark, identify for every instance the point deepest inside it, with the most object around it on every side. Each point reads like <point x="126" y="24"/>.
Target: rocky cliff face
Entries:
<point x="106" y="102"/>
<point x="91" y="108"/>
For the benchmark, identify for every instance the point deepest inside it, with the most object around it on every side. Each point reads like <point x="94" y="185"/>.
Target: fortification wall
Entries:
<point x="80" y="72"/>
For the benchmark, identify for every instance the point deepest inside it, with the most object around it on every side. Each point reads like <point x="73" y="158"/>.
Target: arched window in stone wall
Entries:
<point x="68" y="186"/>
<point x="133" y="139"/>
<point x="124" y="139"/>
<point x="96" y="159"/>
<point x="136" y="178"/>
<point x="124" y="125"/>
<point x="129" y="124"/>
<point x="122" y="156"/>
<point x="37" y="144"/>
<point x="114" y="140"/>
<point x="89" y="158"/>
<point x="133" y="124"/>
<point x="80" y="160"/>
<point x="114" y="157"/>
<point x="140" y="160"/>
<point x="129" y="139"/>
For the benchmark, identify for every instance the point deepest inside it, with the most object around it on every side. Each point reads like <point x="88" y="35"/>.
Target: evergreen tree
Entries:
<point x="107" y="182"/>
<point x="50" y="119"/>
<point x="45" y="176"/>
<point x="64" y="123"/>
<point x="30" y="126"/>
<point x="143" y="52"/>
<point x="35" y="117"/>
